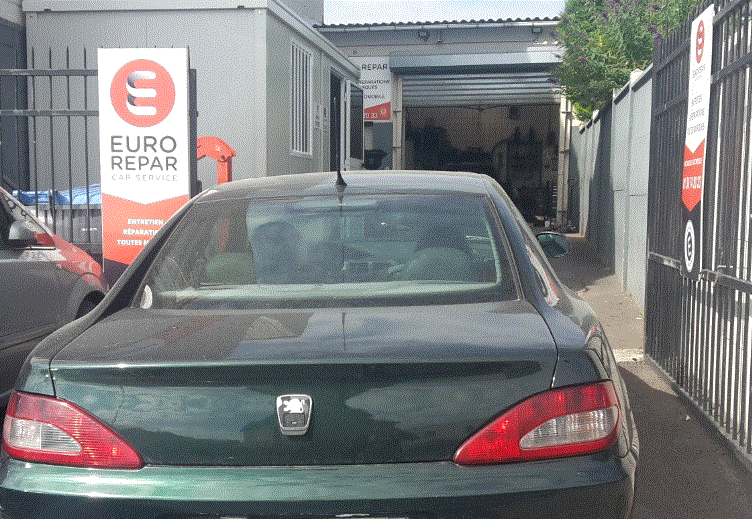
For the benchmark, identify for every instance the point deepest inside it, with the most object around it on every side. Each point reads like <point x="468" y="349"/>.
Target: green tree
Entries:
<point x="604" y="40"/>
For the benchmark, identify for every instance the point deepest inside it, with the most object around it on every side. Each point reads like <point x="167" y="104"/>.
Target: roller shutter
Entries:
<point x="480" y="89"/>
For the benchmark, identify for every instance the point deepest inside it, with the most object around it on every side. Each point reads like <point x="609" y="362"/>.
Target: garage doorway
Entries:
<point x="516" y="144"/>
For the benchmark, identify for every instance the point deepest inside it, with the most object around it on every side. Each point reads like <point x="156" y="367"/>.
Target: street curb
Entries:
<point x="632" y="355"/>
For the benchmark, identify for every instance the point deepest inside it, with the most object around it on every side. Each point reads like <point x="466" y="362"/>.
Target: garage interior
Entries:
<point x="516" y="144"/>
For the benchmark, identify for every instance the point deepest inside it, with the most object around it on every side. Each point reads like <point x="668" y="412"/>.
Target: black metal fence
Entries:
<point x="61" y="127"/>
<point x="699" y="332"/>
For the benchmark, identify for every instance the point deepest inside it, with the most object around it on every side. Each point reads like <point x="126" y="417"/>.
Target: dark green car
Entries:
<point x="291" y="347"/>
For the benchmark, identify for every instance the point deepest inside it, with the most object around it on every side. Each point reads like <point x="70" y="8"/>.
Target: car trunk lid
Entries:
<point x="386" y="385"/>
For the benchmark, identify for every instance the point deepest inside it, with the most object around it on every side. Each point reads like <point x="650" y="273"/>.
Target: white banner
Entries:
<point x="143" y="146"/>
<point x="376" y="83"/>
<point x="695" y="141"/>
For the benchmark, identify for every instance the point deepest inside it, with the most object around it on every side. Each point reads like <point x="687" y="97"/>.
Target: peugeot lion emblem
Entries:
<point x="294" y="414"/>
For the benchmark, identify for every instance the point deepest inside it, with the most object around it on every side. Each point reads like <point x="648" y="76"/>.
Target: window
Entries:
<point x="300" y="99"/>
<point x="317" y="251"/>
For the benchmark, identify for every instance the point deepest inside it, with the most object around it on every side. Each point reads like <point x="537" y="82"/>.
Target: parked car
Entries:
<point x="293" y="346"/>
<point x="45" y="282"/>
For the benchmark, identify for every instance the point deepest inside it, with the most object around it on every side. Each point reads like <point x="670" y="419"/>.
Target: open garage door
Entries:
<point x="496" y="114"/>
<point x="517" y="144"/>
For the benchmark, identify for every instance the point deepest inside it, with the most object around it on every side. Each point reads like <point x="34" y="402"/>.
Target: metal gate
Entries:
<point x="698" y="332"/>
<point x="62" y="126"/>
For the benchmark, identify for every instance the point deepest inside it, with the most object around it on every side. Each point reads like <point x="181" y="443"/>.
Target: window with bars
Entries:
<point x="300" y="99"/>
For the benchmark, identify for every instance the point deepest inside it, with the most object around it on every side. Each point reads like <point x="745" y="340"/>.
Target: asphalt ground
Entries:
<point x="685" y="470"/>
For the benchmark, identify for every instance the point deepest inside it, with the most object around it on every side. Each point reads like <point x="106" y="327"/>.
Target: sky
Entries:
<point x="380" y="11"/>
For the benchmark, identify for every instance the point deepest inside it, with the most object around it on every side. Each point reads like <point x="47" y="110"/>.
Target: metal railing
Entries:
<point x="61" y="138"/>
<point x="699" y="332"/>
<point x="62" y="171"/>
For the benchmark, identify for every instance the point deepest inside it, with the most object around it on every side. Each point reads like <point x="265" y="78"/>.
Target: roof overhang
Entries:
<point x="278" y="9"/>
<point x="463" y="24"/>
<point x="472" y="63"/>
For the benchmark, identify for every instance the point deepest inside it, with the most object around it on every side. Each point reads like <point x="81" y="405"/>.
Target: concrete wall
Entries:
<point x="637" y="215"/>
<point x="10" y="11"/>
<point x="610" y="161"/>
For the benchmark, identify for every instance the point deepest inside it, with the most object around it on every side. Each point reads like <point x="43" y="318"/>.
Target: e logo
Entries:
<point x="700" y="41"/>
<point x="142" y="93"/>
<point x="690" y="246"/>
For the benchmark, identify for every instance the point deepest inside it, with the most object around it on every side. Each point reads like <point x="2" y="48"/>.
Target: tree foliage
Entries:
<point x="604" y="40"/>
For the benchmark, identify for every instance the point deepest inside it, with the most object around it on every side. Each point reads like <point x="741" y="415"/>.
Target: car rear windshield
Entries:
<point x="323" y="252"/>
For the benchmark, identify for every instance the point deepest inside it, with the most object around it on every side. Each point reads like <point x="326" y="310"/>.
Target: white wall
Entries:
<point x="10" y="10"/>
<point x="611" y="162"/>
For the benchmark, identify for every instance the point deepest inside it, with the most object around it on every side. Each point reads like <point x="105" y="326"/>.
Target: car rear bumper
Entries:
<point x="599" y="486"/>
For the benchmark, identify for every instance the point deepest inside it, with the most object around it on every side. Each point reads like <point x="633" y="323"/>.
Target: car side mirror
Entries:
<point x="553" y="244"/>
<point x="20" y="235"/>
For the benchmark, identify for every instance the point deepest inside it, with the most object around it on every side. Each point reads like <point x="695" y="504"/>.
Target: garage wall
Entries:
<point x="280" y="160"/>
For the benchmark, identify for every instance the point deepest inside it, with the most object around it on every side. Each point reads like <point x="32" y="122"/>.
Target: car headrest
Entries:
<point x="231" y="268"/>
<point x="440" y="264"/>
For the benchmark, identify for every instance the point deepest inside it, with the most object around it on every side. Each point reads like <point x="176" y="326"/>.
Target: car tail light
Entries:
<point x="561" y="422"/>
<point x="47" y="430"/>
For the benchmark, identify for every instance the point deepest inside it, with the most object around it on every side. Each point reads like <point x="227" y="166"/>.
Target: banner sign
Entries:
<point x="143" y="147"/>
<point x="695" y="142"/>
<point x="376" y="83"/>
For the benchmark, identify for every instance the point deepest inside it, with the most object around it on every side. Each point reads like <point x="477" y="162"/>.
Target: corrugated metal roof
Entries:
<point x="445" y="22"/>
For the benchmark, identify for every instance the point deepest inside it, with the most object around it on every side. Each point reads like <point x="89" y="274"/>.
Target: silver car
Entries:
<point x="45" y="282"/>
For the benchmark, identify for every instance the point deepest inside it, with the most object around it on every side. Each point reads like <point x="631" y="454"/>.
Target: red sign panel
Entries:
<point x="382" y="112"/>
<point x="692" y="176"/>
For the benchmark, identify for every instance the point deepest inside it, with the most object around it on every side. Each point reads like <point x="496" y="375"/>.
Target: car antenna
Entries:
<point x="341" y="184"/>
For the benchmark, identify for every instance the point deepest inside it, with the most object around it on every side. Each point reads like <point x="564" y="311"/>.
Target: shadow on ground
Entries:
<point x="580" y="268"/>
<point x="684" y="470"/>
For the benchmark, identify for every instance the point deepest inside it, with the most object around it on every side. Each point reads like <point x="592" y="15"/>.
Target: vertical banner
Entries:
<point x="143" y="147"/>
<point x="695" y="141"/>
<point x="376" y="84"/>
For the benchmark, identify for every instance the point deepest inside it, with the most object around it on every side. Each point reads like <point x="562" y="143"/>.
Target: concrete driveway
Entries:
<point x="684" y="470"/>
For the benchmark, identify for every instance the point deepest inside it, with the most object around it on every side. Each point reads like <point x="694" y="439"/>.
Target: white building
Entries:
<point x="268" y="84"/>
<point x="466" y="95"/>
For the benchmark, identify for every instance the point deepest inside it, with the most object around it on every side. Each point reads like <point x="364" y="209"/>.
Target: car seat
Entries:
<point x="276" y="249"/>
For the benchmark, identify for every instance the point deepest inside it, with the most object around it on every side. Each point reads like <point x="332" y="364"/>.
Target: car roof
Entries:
<point x="361" y="182"/>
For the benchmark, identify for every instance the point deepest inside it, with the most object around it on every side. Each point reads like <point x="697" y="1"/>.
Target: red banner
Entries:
<point x="128" y="226"/>
<point x="692" y="176"/>
<point x="382" y="112"/>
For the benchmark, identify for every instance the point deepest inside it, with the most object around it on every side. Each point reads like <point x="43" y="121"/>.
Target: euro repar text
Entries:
<point x="145" y="153"/>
